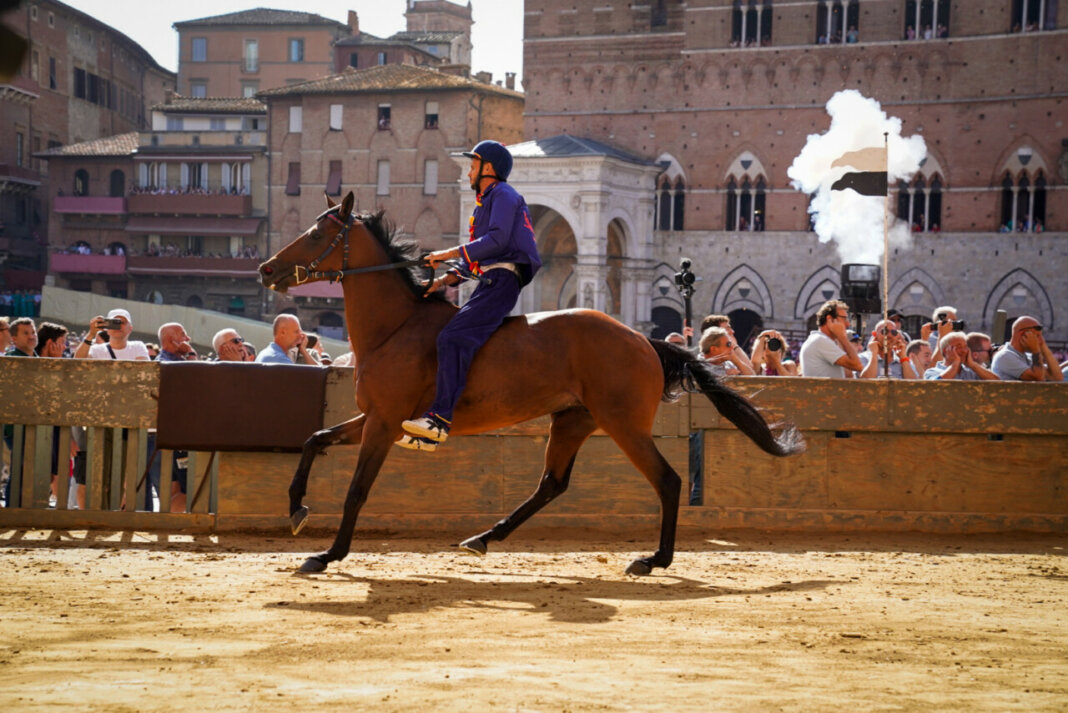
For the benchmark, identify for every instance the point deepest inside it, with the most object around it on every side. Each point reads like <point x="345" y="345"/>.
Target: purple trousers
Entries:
<point x="465" y="334"/>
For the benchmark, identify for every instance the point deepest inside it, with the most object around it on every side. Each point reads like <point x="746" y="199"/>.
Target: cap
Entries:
<point x="120" y="313"/>
<point x="853" y="336"/>
<point x="494" y="153"/>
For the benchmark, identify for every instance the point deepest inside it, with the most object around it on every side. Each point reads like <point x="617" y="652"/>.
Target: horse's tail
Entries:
<point x="683" y="370"/>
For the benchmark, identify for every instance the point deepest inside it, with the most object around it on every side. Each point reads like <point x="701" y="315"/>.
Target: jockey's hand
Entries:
<point x="439" y="256"/>
<point x="446" y="280"/>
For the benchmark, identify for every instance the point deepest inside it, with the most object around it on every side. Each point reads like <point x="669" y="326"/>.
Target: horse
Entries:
<point x="535" y="364"/>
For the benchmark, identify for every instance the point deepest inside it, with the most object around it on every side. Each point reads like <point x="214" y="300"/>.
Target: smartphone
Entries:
<point x="112" y="323"/>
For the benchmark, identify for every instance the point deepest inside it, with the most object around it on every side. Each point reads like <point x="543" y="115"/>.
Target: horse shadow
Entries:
<point x="582" y="600"/>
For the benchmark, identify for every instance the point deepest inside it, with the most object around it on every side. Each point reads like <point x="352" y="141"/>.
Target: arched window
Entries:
<point x="81" y="182"/>
<point x="919" y="207"/>
<point x="751" y="23"/>
<point x="926" y="19"/>
<point x="746" y="206"/>
<point x="670" y="204"/>
<point x="1008" y="204"/>
<point x="664" y="206"/>
<point x="118" y="184"/>
<point x="758" y="205"/>
<point x="934" y="205"/>
<point x="732" y="204"/>
<point x="837" y="21"/>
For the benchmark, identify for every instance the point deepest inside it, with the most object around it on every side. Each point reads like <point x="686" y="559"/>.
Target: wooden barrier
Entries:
<point x="897" y="455"/>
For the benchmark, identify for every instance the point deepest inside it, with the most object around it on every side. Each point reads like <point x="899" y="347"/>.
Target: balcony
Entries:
<point x="189" y="204"/>
<point x="99" y="205"/>
<point x="18" y="179"/>
<point x="73" y="263"/>
<point x="162" y="265"/>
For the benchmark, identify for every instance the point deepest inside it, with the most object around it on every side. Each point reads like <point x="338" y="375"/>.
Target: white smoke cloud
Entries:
<point x="855" y="222"/>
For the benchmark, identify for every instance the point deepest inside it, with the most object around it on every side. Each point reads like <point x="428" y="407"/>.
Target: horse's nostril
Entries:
<point x="267" y="270"/>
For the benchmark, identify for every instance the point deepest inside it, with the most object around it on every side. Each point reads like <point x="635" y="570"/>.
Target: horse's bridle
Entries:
<point x="342" y="237"/>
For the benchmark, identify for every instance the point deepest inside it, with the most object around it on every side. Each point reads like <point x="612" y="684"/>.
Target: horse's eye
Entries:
<point x="315" y="234"/>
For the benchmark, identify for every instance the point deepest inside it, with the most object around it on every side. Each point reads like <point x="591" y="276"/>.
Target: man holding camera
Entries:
<point x="943" y="321"/>
<point x="1011" y="363"/>
<point x="768" y="354"/>
<point x="886" y="338"/>
<point x="116" y="329"/>
<point x="958" y="362"/>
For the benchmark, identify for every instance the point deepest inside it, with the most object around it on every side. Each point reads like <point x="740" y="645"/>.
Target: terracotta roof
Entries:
<point x="385" y="77"/>
<point x="432" y="36"/>
<point x="212" y="105"/>
<point x="262" y="16"/>
<point x="118" y="145"/>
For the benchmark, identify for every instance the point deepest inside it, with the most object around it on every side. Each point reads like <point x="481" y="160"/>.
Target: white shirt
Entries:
<point x="818" y="356"/>
<point x="133" y="351"/>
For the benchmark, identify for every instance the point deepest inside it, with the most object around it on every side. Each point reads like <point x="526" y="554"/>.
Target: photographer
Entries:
<point x="1012" y="363"/>
<point x="768" y="357"/>
<point x="943" y="321"/>
<point x="887" y="339"/>
<point x="116" y="329"/>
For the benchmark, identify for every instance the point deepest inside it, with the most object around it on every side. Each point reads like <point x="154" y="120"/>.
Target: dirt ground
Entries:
<point x="138" y="621"/>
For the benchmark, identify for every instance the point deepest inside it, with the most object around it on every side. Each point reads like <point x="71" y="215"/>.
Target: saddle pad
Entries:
<point x="219" y="406"/>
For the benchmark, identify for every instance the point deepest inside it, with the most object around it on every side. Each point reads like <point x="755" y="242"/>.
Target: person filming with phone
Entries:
<point x="886" y="338"/>
<point x="116" y="328"/>
<point x="943" y="321"/>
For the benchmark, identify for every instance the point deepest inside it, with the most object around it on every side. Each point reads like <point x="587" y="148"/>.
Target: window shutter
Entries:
<point x="296" y="119"/>
<point x="163" y="175"/>
<point x="430" y="177"/>
<point x="185" y="175"/>
<point x="246" y="174"/>
<point x="383" y="178"/>
<point x="142" y="175"/>
<point x="204" y="175"/>
<point x="335" y="116"/>
<point x="226" y="177"/>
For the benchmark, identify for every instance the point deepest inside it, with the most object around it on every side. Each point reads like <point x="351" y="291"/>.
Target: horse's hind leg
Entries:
<point x="346" y="433"/>
<point x="568" y="432"/>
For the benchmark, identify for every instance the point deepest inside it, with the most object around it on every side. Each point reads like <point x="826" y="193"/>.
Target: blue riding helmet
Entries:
<point x="495" y="154"/>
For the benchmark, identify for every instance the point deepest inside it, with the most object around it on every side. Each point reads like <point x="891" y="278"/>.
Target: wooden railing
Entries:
<point x="937" y="457"/>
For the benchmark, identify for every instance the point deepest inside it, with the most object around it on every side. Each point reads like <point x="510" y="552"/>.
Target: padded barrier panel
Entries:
<point x="219" y="406"/>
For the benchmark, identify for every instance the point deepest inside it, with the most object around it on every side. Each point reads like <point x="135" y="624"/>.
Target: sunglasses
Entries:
<point x="1037" y="328"/>
<point x="237" y="340"/>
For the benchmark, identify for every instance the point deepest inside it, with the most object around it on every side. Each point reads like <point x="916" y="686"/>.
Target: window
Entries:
<point x="51" y="72"/>
<point x="194" y="175"/>
<point x="333" y="181"/>
<point x="293" y="181"/>
<point x="746" y="204"/>
<point x="431" y="120"/>
<point x="36" y="149"/>
<point x="296" y="50"/>
<point x="354" y="59"/>
<point x="837" y="21"/>
<point x="117" y="184"/>
<point x="1033" y="15"/>
<point x="926" y="19"/>
<point x="175" y="123"/>
<point x="249" y="89"/>
<point x="33" y="13"/>
<point x="296" y="119"/>
<point x="19" y="148"/>
<point x="200" y="49"/>
<point x="51" y="19"/>
<point x="79" y="83"/>
<point x="335" y="117"/>
<point x="198" y="90"/>
<point x="35" y="61"/>
<point x="430" y="177"/>
<point x="252" y="56"/>
<point x="658" y="14"/>
<point x="81" y="182"/>
<point x="1023" y="205"/>
<point x="751" y="23"/>
<point x="670" y="204"/>
<point x="383" y="179"/>
<point x="217" y="124"/>
<point x="384" y="117"/>
<point x="381" y="58"/>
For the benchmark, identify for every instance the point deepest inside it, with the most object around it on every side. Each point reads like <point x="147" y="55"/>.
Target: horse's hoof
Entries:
<point x="299" y="519"/>
<point x="474" y="546"/>
<point x="639" y="568"/>
<point x="313" y="564"/>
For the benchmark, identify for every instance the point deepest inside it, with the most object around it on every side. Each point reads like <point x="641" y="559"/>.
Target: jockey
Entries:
<point x="502" y="248"/>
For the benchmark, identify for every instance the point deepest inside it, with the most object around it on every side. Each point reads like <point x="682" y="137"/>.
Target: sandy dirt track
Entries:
<point x="137" y="621"/>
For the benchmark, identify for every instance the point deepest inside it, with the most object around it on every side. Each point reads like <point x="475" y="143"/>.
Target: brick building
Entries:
<point x="80" y="80"/>
<point x="387" y="134"/>
<point x="174" y="215"/>
<point x="716" y="98"/>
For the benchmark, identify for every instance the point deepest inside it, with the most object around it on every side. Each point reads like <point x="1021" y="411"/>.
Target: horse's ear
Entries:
<point x="346" y="204"/>
<point x="329" y="203"/>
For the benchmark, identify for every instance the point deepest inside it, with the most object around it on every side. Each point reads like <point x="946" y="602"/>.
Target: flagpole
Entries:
<point x="886" y="260"/>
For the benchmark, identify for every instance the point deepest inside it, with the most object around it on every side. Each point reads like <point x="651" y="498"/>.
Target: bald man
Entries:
<point x="287" y="334"/>
<point x="1011" y="363"/>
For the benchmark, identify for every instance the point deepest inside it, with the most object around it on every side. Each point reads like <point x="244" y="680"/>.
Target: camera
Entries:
<point x="958" y="325"/>
<point x="774" y="344"/>
<point x="942" y="316"/>
<point x="112" y="323"/>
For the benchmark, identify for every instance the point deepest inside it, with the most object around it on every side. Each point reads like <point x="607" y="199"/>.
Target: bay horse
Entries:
<point x="535" y="364"/>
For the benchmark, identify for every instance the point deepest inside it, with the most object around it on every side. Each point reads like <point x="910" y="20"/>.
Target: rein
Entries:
<point x="303" y="274"/>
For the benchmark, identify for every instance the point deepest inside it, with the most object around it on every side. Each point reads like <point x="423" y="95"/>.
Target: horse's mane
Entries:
<point x="398" y="250"/>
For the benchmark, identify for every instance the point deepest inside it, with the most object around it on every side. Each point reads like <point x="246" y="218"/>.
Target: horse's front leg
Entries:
<point x="377" y="440"/>
<point x="347" y="433"/>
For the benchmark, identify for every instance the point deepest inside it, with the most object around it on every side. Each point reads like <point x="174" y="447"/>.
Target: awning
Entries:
<point x="157" y="225"/>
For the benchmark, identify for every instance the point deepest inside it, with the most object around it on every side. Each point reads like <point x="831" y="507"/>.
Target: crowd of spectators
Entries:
<point x="249" y="252"/>
<point x="188" y="191"/>
<point x="943" y="350"/>
<point x="20" y="303"/>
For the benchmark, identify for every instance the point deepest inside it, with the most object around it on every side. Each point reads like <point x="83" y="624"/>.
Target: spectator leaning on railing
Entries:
<point x="958" y="362"/>
<point x="1012" y="362"/>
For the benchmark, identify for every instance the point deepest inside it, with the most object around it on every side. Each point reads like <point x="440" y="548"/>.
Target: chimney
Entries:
<point x="354" y="23"/>
<point x="169" y="95"/>
<point x="485" y="77"/>
<point x="509" y="80"/>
